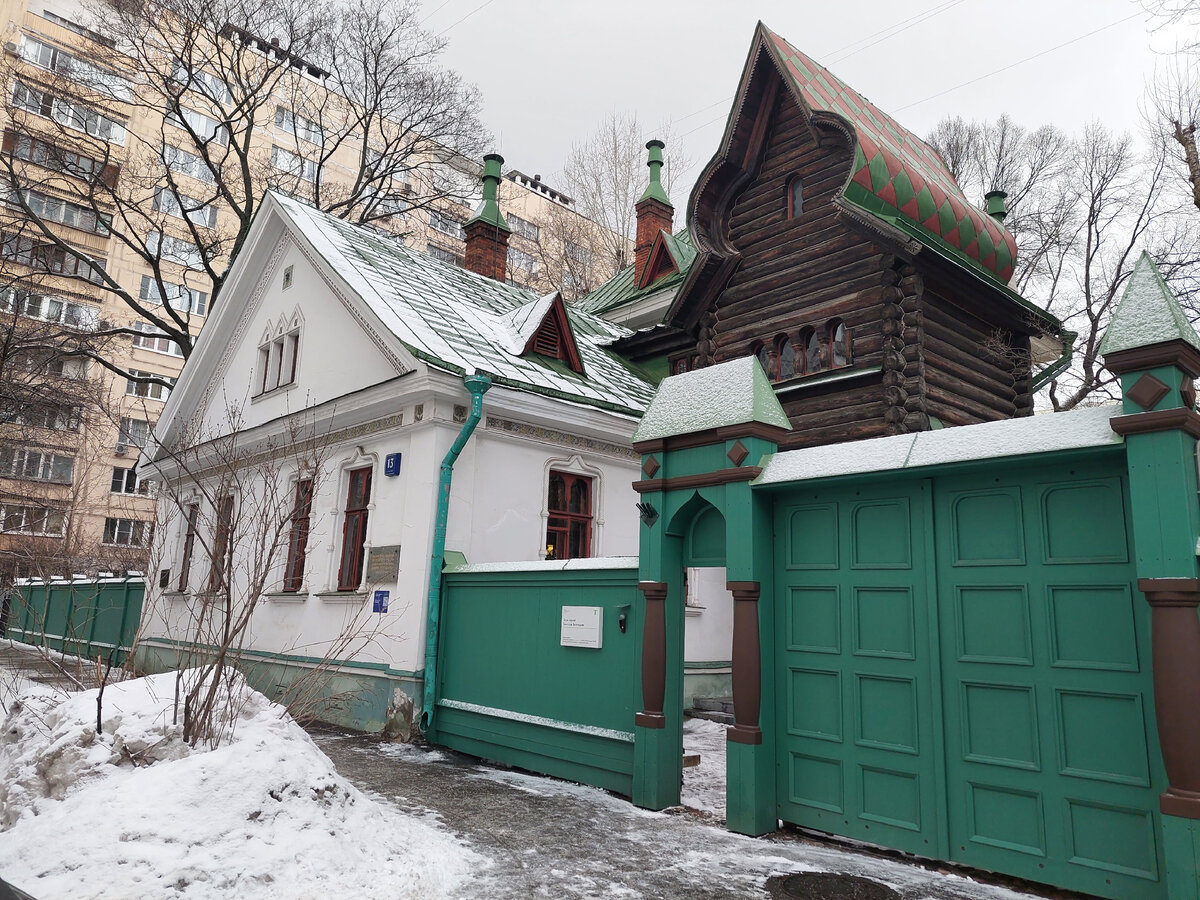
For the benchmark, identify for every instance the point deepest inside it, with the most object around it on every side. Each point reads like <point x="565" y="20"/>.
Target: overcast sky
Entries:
<point x="550" y="69"/>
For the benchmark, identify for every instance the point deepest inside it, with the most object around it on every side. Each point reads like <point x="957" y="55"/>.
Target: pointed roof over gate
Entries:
<point x="1149" y="313"/>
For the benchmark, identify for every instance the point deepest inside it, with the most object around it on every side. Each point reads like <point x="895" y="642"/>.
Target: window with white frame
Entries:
<point x="182" y="206"/>
<point x="446" y="256"/>
<point x="293" y="164"/>
<point x="298" y="126"/>
<point x="68" y="113"/>
<point x="204" y="127"/>
<point x="43" y="153"/>
<point x="278" y="358"/>
<point x="173" y="249"/>
<point x="134" y="432"/>
<point x="79" y="29"/>
<point x="523" y="227"/>
<point x="64" y="212"/>
<point x="127" y="481"/>
<point x="48" y="308"/>
<point x="73" y="367"/>
<point x="127" y="532"/>
<point x="53" y="416"/>
<point x="440" y="221"/>
<point x="179" y="298"/>
<point x="45" y="256"/>
<point x="137" y="386"/>
<point x="518" y="259"/>
<point x="206" y="84"/>
<point x="55" y="59"/>
<point x="24" y="518"/>
<point x="154" y="339"/>
<point x="33" y="464"/>
<point x="183" y="162"/>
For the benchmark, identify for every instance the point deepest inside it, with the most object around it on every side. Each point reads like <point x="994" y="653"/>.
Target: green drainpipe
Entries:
<point x="1056" y="368"/>
<point x="477" y="385"/>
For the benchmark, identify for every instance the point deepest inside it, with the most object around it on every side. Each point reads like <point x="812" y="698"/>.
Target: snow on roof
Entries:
<point x="1148" y="313"/>
<point x="1075" y="430"/>
<point x="461" y="321"/>
<point x="732" y="393"/>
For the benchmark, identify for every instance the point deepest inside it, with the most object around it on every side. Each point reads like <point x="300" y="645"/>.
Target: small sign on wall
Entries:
<point x="391" y="465"/>
<point x="383" y="563"/>
<point x="380" y="603"/>
<point x="582" y="626"/>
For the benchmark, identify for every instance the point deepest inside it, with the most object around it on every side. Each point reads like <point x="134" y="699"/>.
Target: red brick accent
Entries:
<point x="487" y="250"/>
<point x="653" y="216"/>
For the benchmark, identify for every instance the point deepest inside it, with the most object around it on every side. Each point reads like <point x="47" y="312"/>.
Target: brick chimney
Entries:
<point x="654" y="210"/>
<point x="487" y="232"/>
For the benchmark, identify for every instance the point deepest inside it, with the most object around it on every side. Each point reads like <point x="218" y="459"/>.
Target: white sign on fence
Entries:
<point x="582" y="626"/>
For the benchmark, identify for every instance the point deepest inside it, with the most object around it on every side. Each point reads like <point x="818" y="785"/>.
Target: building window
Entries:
<point x="62" y="212"/>
<point x="523" y="227"/>
<point x="68" y="113"/>
<point x="441" y="253"/>
<point x="766" y="358"/>
<point x="785" y="352"/>
<point x="43" y="153"/>
<point x="189" y="543"/>
<point x="48" y="308"/>
<point x="44" y="256"/>
<point x="525" y="262"/>
<point x="277" y="361"/>
<point x="155" y="340"/>
<point x="839" y="344"/>
<point x="182" y="206"/>
<point x="174" y="250"/>
<point x="36" y="465"/>
<point x="220" y="545"/>
<point x="293" y="164"/>
<point x="205" y="128"/>
<point x="28" y="519"/>
<point x="134" y="432"/>
<point x="681" y="364"/>
<point x="46" y="415"/>
<point x="135" y="386"/>
<point x="183" y="162"/>
<point x="127" y="532"/>
<point x="795" y="197"/>
<point x="354" y="529"/>
<point x="569" y="528"/>
<point x="298" y="126"/>
<point x="293" y="573"/>
<point x="179" y="298"/>
<point x="440" y="221"/>
<point x="126" y="481"/>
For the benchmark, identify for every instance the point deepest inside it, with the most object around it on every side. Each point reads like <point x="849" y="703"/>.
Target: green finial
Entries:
<point x="654" y="190"/>
<point x="1148" y="313"/>
<point x="489" y="209"/>
<point x="995" y="205"/>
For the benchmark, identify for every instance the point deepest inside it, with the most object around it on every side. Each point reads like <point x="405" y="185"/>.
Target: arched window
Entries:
<point x="839" y="344"/>
<point x="785" y="351"/>
<point x="813" y="357"/>
<point x="766" y="357"/>
<point x="795" y="197"/>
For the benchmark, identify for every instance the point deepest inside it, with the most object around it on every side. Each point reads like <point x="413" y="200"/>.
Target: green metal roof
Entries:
<point x="1148" y="313"/>
<point x="684" y="404"/>
<point x="622" y="288"/>
<point x="459" y="321"/>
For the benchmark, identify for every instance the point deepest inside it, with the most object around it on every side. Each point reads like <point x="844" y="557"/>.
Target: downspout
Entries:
<point x="1056" y="368"/>
<point x="477" y="385"/>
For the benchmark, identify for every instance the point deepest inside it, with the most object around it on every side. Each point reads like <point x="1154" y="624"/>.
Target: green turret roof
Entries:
<point x="655" y="190"/>
<point x="733" y="393"/>
<point x="1148" y="313"/>
<point x="489" y="208"/>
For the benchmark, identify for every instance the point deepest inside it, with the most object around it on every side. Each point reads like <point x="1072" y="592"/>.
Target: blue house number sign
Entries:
<point x="391" y="464"/>
<point x="380" y="604"/>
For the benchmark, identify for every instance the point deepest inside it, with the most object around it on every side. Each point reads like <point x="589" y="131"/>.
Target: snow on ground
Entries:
<point x="704" y="785"/>
<point x="136" y="812"/>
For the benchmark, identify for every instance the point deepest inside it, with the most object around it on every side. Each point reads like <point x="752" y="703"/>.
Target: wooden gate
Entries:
<point x="963" y="672"/>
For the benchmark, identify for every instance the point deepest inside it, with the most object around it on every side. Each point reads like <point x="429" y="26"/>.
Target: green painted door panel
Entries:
<point x="1051" y="756"/>
<point x="856" y="744"/>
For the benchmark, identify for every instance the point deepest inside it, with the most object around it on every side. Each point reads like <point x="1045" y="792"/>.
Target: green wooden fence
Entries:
<point x="509" y="690"/>
<point x="82" y="617"/>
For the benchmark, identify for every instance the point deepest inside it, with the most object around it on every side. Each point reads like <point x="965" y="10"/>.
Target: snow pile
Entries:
<point x="135" y="812"/>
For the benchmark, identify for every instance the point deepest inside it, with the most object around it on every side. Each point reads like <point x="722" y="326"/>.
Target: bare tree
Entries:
<point x="1081" y="210"/>
<point x="1173" y="115"/>
<point x="345" y="105"/>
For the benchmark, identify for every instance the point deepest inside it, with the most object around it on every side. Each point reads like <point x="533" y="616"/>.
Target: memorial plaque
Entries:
<point x="582" y="626"/>
<point x="383" y="564"/>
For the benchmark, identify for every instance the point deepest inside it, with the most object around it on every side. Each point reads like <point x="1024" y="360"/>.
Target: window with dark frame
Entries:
<point x="569" y="528"/>
<point x="189" y="542"/>
<point x="293" y="573"/>
<point x="839" y="344"/>
<point x="795" y="196"/>
<point x="220" y="547"/>
<point x="354" y="529"/>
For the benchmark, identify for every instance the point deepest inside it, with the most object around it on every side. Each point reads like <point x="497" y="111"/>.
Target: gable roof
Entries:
<point x="896" y="176"/>
<point x="458" y="321"/>
<point x="623" y="287"/>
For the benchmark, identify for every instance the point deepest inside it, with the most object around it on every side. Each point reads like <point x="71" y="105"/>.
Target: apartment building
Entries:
<point x="71" y="498"/>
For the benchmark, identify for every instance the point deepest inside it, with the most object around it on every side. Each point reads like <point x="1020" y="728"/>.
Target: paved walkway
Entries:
<point x="552" y="839"/>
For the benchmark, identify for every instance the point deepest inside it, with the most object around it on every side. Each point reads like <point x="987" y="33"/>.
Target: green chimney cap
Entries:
<point x="654" y="190"/>
<point x="489" y="209"/>
<point x="1148" y="313"/>
<point x="995" y="205"/>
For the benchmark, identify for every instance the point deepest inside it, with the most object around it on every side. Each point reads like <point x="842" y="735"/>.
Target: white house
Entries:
<point x="338" y="348"/>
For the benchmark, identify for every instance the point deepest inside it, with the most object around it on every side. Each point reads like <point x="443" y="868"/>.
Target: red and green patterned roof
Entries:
<point x="897" y="176"/>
